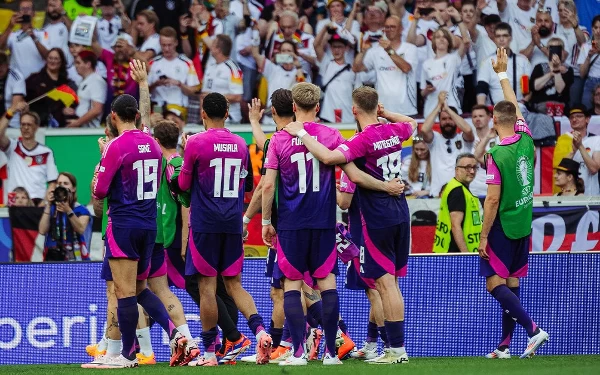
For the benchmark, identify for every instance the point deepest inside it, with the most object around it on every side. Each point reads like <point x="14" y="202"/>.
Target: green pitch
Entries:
<point x="559" y="365"/>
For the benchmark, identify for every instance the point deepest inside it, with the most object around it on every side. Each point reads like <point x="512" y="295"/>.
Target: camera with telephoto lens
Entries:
<point x="61" y="194"/>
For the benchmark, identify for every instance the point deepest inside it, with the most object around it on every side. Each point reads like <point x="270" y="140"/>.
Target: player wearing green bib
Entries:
<point x="507" y="216"/>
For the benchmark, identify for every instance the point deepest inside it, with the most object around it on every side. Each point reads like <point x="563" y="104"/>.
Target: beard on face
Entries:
<point x="448" y="131"/>
<point x="544" y="31"/>
<point x="54" y="15"/>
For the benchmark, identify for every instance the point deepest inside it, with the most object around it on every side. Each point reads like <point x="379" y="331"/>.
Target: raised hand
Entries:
<point x="501" y="63"/>
<point x="138" y="71"/>
<point x="442" y="96"/>
<point x="255" y="112"/>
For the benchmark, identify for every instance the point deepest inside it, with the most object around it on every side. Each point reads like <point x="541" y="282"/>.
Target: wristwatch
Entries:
<point x="391" y="51"/>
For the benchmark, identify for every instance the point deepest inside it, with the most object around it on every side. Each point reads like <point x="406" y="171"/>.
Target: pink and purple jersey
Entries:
<point x="215" y="165"/>
<point x="129" y="175"/>
<point x="306" y="186"/>
<point x="492" y="172"/>
<point x="376" y="151"/>
<point x="354" y="217"/>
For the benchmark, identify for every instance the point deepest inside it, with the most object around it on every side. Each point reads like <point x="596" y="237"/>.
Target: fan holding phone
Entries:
<point x="551" y="81"/>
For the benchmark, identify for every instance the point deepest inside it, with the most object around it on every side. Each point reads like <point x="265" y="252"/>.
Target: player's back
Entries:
<point x="132" y="196"/>
<point x="306" y="186"/>
<point x="382" y="145"/>
<point x="220" y="167"/>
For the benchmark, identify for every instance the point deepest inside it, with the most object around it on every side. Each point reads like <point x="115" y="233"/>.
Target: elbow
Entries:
<point x="329" y="160"/>
<point x="343" y="204"/>
<point x="268" y="187"/>
<point x="492" y="200"/>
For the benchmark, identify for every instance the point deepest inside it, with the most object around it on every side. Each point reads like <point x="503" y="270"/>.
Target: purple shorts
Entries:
<point x="175" y="268"/>
<point x="306" y="252"/>
<point x="131" y="243"/>
<point x="158" y="266"/>
<point x="353" y="279"/>
<point x="386" y="251"/>
<point x="106" y="273"/>
<point x="508" y="258"/>
<point x="212" y="254"/>
<point x="272" y="271"/>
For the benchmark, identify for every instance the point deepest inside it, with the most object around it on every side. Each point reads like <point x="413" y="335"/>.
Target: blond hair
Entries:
<point x="306" y="95"/>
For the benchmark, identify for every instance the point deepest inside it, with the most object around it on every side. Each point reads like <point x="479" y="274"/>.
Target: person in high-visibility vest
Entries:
<point x="459" y="221"/>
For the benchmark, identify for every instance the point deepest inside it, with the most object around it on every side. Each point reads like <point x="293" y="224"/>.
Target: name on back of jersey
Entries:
<point x="298" y="142"/>
<point x="144" y="149"/>
<point x="386" y="143"/>
<point x="226" y="147"/>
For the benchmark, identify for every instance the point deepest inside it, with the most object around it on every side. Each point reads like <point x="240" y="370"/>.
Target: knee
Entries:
<point x="386" y="284"/>
<point x="276" y="295"/>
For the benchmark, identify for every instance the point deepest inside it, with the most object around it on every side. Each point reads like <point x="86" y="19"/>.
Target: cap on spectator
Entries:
<point x="177" y="110"/>
<point x="381" y="5"/>
<point x="569" y="166"/>
<point x="126" y="37"/>
<point x="338" y="38"/>
<point x="329" y="2"/>
<point x="579" y="108"/>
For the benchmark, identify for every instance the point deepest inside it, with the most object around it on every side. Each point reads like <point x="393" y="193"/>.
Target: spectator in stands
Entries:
<point x="551" y="81"/>
<point x="54" y="74"/>
<point x="288" y="24"/>
<point x="596" y="101"/>
<point x="374" y="21"/>
<point x="417" y="169"/>
<point x="566" y="177"/>
<point x="27" y="45"/>
<point x="12" y="89"/>
<point x="243" y="47"/>
<point x="176" y="115"/>
<point x="91" y="93"/>
<point x="343" y="25"/>
<point x="21" y="198"/>
<point x="291" y="6"/>
<point x="483" y="37"/>
<point x="589" y="63"/>
<point x="393" y="62"/>
<point x="168" y="12"/>
<point x="116" y="60"/>
<point x="575" y="37"/>
<point x="448" y="144"/>
<point x="338" y="79"/>
<point x="57" y="29"/>
<point x="521" y="16"/>
<point x="75" y="49"/>
<point x="538" y="50"/>
<point x="65" y="223"/>
<point x="146" y="24"/>
<point x="30" y="164"/>
<point x="225" y="77"/>
<point x="485" y="139"/>
<point x="442" y="72"/>
<point x="586" y="149"/>
<point x="468" y="66"/>
<point x="172" y="76"/>
<point x="488" y="85"/>
<point x="459" y="222"/>
<point x="112" y="22"/>
<point x="279" y="73"/>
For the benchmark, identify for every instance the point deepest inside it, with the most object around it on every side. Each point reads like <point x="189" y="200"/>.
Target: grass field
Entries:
<point x="563" y="365"/>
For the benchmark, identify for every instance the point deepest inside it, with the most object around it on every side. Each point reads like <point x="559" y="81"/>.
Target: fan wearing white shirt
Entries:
<point x="341" y="23"/>
<point x="146" y="23"/>
<point x="91" y="93"/>
<point x="442" y="72"/>
<point x="488" y="84"/>
<point x="27" y="45"/>
<point x="110" y="24"/>
<point x="393" y="62"/>
<point x="485" y="139"/>
<point x="482" y="37"/>
<point x="338" y="79"/>
<point x="537" y="51"/>
<point x="172" y="77"/>
<point x="279" y="75"/>
<point x="58" y="29"/>
<point x="224" y="77"/>
<point x="445" y="147"/>
<point x="12" y="89"/>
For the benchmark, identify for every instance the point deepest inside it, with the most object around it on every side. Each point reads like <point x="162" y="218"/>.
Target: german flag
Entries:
<point x="24" y="225"/>
<point x="65" y="94"/>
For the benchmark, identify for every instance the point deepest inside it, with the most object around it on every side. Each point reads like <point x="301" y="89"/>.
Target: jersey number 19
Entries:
<point x="147" y="172"/>
<point x="390" y="166"/>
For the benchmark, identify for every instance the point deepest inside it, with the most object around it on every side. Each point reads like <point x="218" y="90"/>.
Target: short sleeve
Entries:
<point x="236" y="84"/>
<point x="12" y="145"/>
<point x="456" y="200"/>
<point x="521" y="126"/>
<point x="18" y="86"/>
<point x="191" y="78"/>
<point x="347" y="186"/>
<point x="99" y="92"/>
<point x="81" y="210"/>
<point x="272" y="161"/>
<point x="353" y="148"/>
<point x="493" y="173"/>
<point x="52" y="171"/>
<point x="106" y="56"/>
<point x="152" y="76"/>
<point x="369" y="59"/>
<point x="411" y="55"/>
<point x="404" y="130"/>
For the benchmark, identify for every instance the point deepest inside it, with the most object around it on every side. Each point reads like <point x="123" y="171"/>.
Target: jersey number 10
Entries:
<point x="147" y="172"/>
<point x="223" y="169"/>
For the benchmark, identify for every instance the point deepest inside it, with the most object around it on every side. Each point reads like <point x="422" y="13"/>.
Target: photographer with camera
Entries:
<point x="65" y="223"/>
